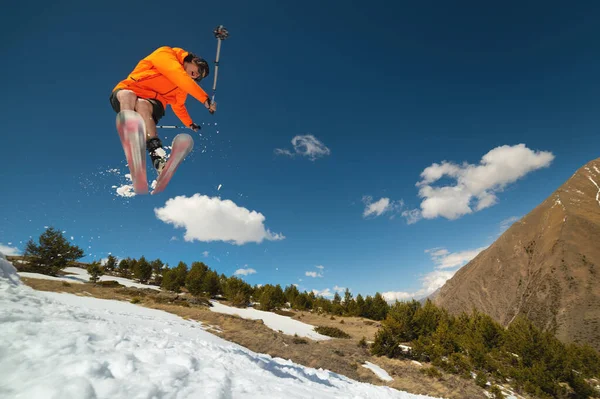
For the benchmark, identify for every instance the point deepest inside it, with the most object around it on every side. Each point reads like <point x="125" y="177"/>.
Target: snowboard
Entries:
<point x="182" y="145"/>
<point x="132" y="131"/>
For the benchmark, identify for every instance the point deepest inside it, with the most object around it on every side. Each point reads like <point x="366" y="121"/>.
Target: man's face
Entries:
<point x="193" y="70"/>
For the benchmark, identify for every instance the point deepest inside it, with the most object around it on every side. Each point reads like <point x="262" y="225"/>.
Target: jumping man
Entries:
<point x="164" y="77"/>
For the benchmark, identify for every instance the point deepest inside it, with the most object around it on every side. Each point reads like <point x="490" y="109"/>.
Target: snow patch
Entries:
<point x="274" y="321"/>
<point x="8" y="273"/>
<point x="58" y="345"/>
<point x="79" y="275"/>
<point x="378" y="371"/>
<point x="598" y="193"/>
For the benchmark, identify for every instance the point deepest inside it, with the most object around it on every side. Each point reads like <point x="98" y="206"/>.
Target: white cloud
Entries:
<point x="313" y="274"/>
<point x="476" y="185"/>
<point x="320" y="267"/>
<point x="446" y="260"/>
<point x="213" y="219"/>
<point x="244" y="272"/>
<point x="9" y="250"/>
<point x="173" y="238"/>
<point x="412" y="216"/>
<point x="280" y="151"/>
<point x="306" y="145"/>
<point x="443" y="260"/>
<point x="324" y="293"/>
<point x="205" y="254"/>
<point x="376" y="208"/>
<point x="381" y="206"/>
<point x="337" y="288"/>
<point x="506" y="223"/>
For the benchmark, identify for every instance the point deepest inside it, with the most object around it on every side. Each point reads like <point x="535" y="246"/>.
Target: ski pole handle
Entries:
<point x="221" y="34"/>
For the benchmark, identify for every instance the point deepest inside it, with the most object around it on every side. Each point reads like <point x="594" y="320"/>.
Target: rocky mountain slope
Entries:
<point x="546" y="266"/>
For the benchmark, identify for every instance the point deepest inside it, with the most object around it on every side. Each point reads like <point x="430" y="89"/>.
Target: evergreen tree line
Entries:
<point x="200" y="280"/>
<point x="141" y="269"/>
<point x="535" y="360"/>
<point x="54" y="252"/>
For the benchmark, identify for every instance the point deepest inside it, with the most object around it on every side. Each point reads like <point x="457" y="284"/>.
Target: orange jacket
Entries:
<point x="161" y="76"/>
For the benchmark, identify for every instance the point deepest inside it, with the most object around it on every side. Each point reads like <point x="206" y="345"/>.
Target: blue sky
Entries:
<point x="385" y="100"/>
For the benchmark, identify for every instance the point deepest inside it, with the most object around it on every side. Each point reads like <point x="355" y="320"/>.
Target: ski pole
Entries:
<point x="221" y="34"/>
<point x="170" y="127"/>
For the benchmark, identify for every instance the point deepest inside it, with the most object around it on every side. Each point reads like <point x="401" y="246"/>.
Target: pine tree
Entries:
<point x="380" y="307"/>
<point x="336" y="305"/>
<point x="279" y="297"/>
<point x="350" y="307"/>
<point x="181" y="272"/>
<point x="360" y="306"/>
<point x="291" y="292"/>
<point x="400" y="318"/>
<point x="266" y="296"/>
<point x="427" y="318"/>
<point x="95" y="271"/>
<point x="53" y="253"/>
<point x="194" y="281"/>
<point x="212" y="284"/>
<point x="302" y="302"/>
<point x="157" y="270"/>
<point x="111" y="264"/>
<point x="169" y="281"/>
<point x="368" y="309"/>
<point x="237" y="291"/>
<point x="124" y="267"/>
<point x="142" y="270"/>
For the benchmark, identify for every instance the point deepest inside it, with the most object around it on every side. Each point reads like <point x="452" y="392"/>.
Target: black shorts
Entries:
<point x="158" y="111"/>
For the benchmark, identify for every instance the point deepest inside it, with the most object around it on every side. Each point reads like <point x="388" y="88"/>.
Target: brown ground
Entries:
<point x="342" y="356"/>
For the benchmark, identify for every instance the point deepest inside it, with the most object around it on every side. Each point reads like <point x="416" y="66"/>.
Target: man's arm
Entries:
<point x="180" y="109"/>
<point x="166" y="62"/>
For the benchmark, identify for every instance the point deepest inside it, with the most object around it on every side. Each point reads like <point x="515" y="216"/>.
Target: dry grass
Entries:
<point x="342" y="356"/>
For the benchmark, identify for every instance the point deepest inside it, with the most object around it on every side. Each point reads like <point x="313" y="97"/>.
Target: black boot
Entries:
<point x="157" y="154"/>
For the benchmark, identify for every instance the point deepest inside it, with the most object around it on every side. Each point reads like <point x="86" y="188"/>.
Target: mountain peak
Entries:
<point x="546" y="266"/>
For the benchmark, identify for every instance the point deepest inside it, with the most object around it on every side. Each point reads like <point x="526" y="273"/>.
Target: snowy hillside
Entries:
<point x="79" y="275"/>
<point x="65" y="346"/>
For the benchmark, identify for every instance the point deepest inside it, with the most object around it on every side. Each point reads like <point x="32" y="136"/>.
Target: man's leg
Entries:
<point x="127" y="99"/>
<point x="144" y="108"/>
<point x="153" y="144"/>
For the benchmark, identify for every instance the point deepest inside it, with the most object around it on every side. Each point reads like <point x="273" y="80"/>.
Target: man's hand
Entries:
<point x="212" y="106"/>
<point x="195" y="127"/>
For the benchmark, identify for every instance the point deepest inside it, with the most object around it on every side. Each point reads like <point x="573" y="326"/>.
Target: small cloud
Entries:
<point x="320" y="267"/>
<point x="244" y="272"/>
<point x="444" y="259"/>
<point x="430" y="282"/>
<point x="9" y="250"/>
<point x="205" y="254"/>
<point x="313" y="274"/>
<point x="279" y="151"/>
<point x="506" y="223"/>
<point x="308" y="146"/>
<point x="173" y="238"/>
<point x="381" y="206"/>
<point x="412" y="216"/>
<point x="339" y="289"/>
<point x="324" y="293"/>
